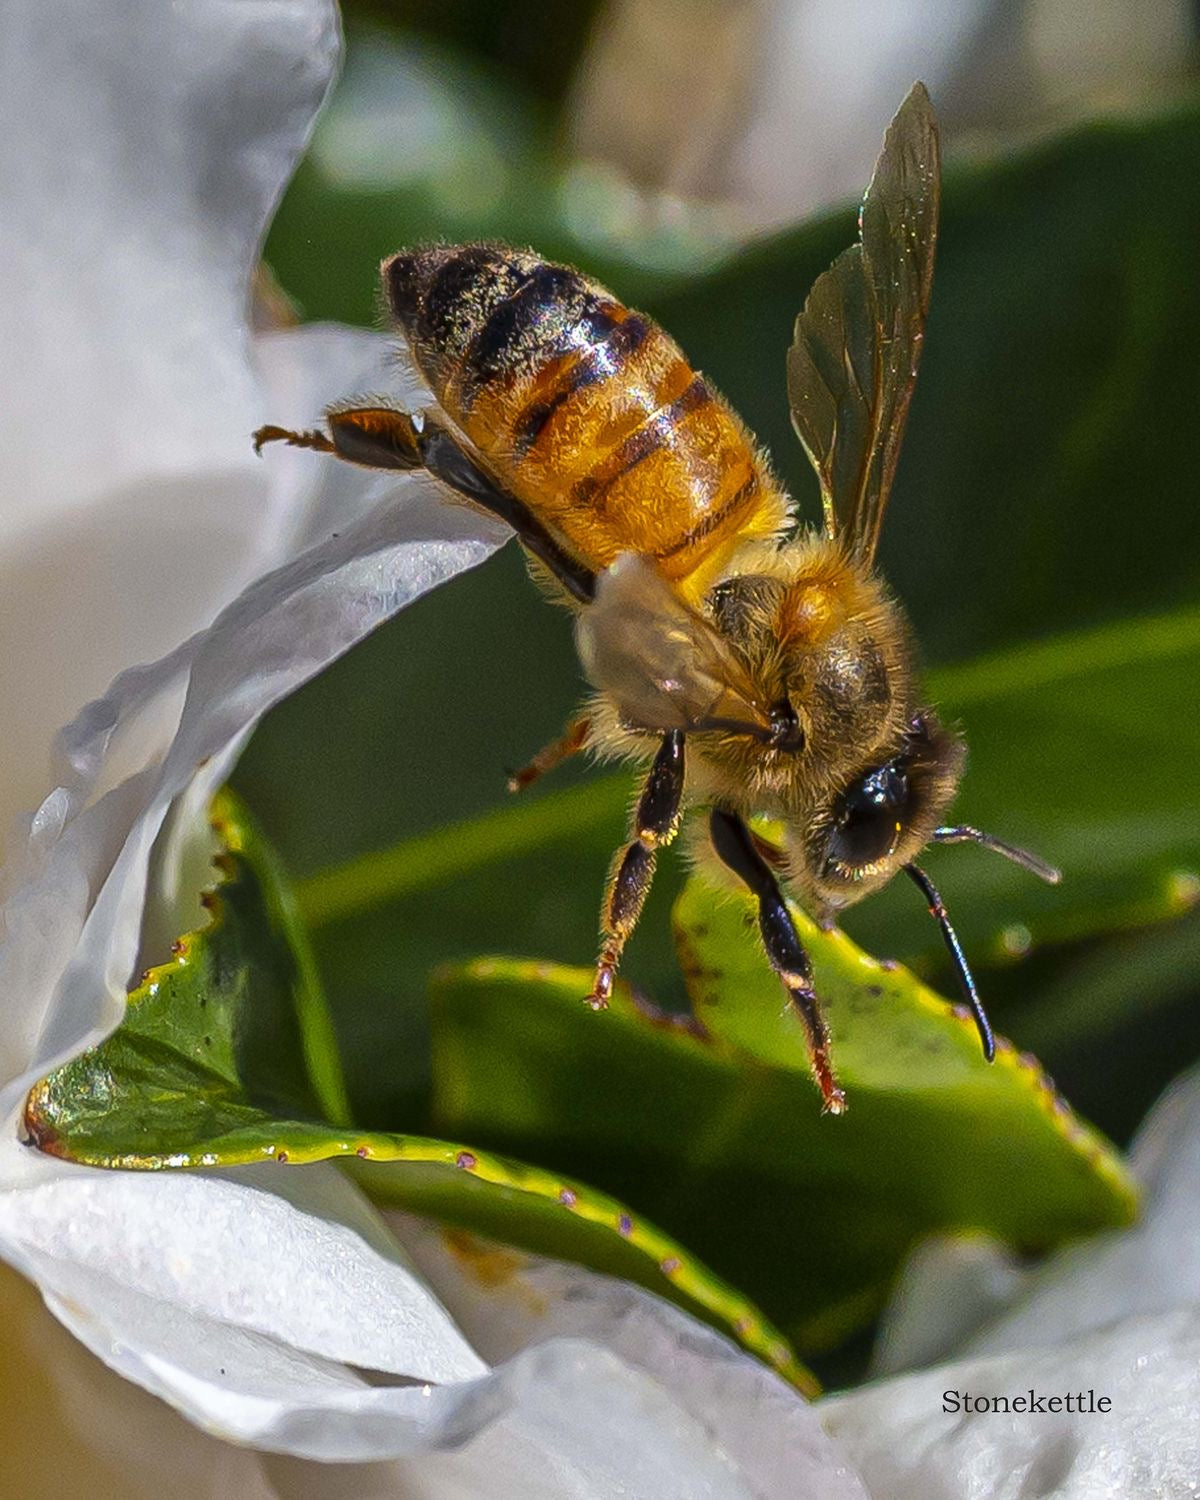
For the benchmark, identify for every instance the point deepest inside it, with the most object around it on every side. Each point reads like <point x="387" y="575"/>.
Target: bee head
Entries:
<point x="881" y="817"/>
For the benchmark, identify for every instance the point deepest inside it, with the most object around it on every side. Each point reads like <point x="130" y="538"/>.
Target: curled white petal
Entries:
<point x="274" y="1308"/>
<point x="142" y="148"/>
<point x="236" y="1261"/>
<point x="73" y="925"/>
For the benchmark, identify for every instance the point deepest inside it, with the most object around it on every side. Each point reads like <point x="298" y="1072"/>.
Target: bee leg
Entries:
<point x="377" y="437"/>
<point x="380" y="437"/>
<point x="738" y="847"/>
<point x="572" y="740"/>
<point x="655" y="824"/>
<point x="316" y="440"/>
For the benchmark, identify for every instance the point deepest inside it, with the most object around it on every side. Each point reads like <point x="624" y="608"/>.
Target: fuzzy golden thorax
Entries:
<point x="863" y="778"/>
<point x="871" y="770"/>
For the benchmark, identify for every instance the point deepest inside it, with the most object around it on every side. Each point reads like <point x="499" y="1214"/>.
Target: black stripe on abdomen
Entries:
<point x="539" y="322"/>
<point x="466" y="276"/>
<point x="601" y="360"/>
<point x="711" y="521"/>
<point x="652" y="435"/>
<point x="439" y="295"/>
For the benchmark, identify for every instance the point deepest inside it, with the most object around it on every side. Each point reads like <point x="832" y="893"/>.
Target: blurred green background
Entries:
<point x="1044" y="532"/>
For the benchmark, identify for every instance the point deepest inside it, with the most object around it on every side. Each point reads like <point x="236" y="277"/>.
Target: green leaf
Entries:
<point x="224" y="1057"/>
<point x="1112" y="1018"/>
<point x="289" y="1004"/>
<point x="716" y="1124"/>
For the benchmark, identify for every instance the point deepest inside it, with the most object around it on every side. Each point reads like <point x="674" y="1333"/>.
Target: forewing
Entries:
<point x="663" y="664"/>
<point x="853" y="363"/>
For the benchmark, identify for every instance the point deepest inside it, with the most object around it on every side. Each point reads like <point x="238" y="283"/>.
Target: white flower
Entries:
<point x="144" y="145"/>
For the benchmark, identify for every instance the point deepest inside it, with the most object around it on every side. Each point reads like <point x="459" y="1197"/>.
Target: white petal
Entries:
<point x="585" y="1425"/>
<point x="257" y="1302"/>
<point x="142" y="148"/>
<point x="73" y="922"/>
<point x="907" y="1448"/>
<point x="505" y="1300"/>
<point x="951" y="1286"/>
<point x="69" y="1425"/>
<point x="146" y="145"/>
<point x="817" y="57"/>
<point x="238" y="1278"/>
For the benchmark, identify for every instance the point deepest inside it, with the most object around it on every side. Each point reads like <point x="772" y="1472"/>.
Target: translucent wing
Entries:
<point x="853" y="362"/>
<point x="662" y="663"/>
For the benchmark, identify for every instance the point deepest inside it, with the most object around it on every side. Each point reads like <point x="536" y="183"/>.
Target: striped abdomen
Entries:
<point x="586" y="410"/>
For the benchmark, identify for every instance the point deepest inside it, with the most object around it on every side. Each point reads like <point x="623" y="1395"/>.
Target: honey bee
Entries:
<point x="755" y="667"/>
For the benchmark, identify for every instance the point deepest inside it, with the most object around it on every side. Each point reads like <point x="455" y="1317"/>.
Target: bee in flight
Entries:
<point x="755" y="668"/>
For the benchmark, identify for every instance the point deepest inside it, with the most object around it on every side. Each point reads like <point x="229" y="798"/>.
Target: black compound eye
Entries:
<point x="868" y="818"/>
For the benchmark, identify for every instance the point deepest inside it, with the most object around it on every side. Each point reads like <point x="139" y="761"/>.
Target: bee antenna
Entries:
<point x="937" y="911"/>
<point x="964" y="835"/>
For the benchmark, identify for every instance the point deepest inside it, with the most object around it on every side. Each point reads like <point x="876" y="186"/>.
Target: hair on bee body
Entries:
<point x="751" y="665"/>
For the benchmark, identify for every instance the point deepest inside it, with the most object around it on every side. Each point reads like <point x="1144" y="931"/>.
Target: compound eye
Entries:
<point x="868" y="817"/>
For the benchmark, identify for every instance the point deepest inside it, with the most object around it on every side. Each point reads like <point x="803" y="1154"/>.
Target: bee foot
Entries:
<point x="833" y="1096"/>
<point x="602" y="990"/>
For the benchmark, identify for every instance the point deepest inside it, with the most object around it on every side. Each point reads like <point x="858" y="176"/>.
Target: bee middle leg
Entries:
<point x="655" y="824"/>
<point x="572" y="740"/>
<point x="380" y="437"/>
<point x="739" y="848"/>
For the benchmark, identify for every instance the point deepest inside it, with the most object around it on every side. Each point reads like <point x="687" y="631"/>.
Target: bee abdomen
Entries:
<point x="587" y="410"/>
<point x="477" y="315"/>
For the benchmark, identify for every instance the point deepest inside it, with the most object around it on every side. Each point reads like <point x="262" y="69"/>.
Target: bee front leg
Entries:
<point x="739" y="848"/>
<point x="655" y="824"/>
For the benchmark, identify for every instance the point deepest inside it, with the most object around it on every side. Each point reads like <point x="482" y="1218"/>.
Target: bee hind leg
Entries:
<point x="655" y="824"/>
<point x="739" y="848"/>
<point x="270" y="434"/>
<point x="573" y="739"/>
<point x="376" y="437"/>
<point x="380" y="437"/>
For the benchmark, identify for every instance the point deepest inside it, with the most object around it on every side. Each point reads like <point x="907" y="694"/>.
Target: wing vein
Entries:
<point x="858" y="340"/>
